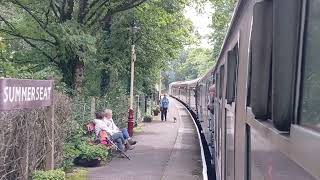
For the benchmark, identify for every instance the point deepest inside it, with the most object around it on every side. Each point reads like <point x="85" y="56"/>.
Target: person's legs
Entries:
<point x="161" y="112"/>
<point x="127" y="137"/>
<point x="125" y="133"/>
<point x="124" y="142"/>
<point x="118" y="135"/>
<point x="119" y="144"/>
<point x="165" y="113"/>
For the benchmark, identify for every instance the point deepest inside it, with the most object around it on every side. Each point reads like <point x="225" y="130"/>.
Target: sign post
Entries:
<point x="30" y="94"/>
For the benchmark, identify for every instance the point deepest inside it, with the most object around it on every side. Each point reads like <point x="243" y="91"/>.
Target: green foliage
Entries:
<point x="7" y="68"/>
<point x="117" y="101"/>
<point x="147" y="118"/>
<point x="222" y="13"/>
<point x="38" y="39"/>
<point x="70" y="153"/>
<point x="92" y="81"/>
<point x="156" y="110"/>
<point x="92" y="152"/>
<point x="197" y="62"/>
<point x="47" y="40"/>
<point x="79" y="174"/>
<point x="192" y="63"/>
<point x="49" y="175"/>
<point x="79" y="146"/>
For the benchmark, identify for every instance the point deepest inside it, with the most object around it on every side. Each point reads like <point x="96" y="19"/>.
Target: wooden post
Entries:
<point x="93" y="107"/>
<point x="26" y="174"/>
<point x="25" y="157"/>
<point x="50" y="119"/>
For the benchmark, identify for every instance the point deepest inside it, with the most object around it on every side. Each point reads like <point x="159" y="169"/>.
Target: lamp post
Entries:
<point x="159" y="89"/>
<point x="134" y="29"/>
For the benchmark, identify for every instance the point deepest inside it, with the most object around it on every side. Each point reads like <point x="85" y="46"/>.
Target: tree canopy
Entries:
<point x="86" y="44"/>
<point x="195" y="61"/>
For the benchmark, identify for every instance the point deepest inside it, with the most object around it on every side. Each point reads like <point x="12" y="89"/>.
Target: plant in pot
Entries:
<point x="156" y="110"/>
<point x="91" y="155"/>
<point x="147" y="118"/>
<point x="70" y="152"/>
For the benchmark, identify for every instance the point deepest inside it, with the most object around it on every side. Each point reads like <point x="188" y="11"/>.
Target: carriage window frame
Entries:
<point x="232" y="74"/>
<point x="221" y="81"/>
<point x="306" y="18"/>
<point x="258" y="92"/>
<point x="217" y="84"/>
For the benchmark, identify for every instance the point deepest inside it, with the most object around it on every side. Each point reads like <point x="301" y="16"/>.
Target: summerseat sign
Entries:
<point x="25" y="94"/>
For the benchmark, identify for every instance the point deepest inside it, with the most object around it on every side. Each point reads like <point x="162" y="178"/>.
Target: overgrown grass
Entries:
<point x="77" y="174"/>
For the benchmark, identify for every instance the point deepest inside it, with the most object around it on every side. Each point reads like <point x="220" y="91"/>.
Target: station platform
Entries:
<point x="165" y="151"/>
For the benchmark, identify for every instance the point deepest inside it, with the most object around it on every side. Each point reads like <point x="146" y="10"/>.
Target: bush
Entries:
<point x="70" y="153"/>
<point x="92" y="152"/>
<point x="90" y="155"/>
<point x="156" y="110"/>
<point x="49" y="175"/>
<point x="147" y="118"/>
<point x="30" y="125"/>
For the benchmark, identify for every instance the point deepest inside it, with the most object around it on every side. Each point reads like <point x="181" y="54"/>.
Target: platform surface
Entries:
<point x="165" y="151"/>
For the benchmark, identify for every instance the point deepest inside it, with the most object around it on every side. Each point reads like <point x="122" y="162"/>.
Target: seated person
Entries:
<point x="113" y="126"/>
<point x="117" y="137"/>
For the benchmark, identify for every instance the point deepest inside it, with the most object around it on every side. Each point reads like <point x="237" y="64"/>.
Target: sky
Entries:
<point x="201" y="22"/>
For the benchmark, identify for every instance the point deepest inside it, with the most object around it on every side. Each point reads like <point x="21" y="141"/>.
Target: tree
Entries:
<point x="163" y="31"/>
<point x="63" y="31"/>
<point x="222" y="13"/>
<point x="192" y="63"/>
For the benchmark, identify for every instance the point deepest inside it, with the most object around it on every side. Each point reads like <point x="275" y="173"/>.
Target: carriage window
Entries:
<point x="217" y="85"/>
<point x="232" y="74"/>
<point x="221" y="81"/>
<point x="249" y="77"/>
<point x="260" y="60"/>
<point x="310" y="99"/>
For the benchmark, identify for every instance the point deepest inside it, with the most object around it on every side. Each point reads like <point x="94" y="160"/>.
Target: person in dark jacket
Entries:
<point x="164" y="104"/>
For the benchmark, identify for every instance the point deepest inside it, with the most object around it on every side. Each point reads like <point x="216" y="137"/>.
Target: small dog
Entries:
<point x="174" y="119"/>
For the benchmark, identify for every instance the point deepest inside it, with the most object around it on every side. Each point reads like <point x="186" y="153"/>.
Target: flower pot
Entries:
<point x="155" y="112"/>
<point x="147" y="119"/>
<point x="87" y="163"/>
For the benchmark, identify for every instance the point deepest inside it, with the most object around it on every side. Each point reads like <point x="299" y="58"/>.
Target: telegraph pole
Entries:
<point x="160" y="88"/>
<point x="133" y="59"/>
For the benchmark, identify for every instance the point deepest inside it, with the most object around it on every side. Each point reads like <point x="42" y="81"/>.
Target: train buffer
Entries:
<point x="165" y="150"/>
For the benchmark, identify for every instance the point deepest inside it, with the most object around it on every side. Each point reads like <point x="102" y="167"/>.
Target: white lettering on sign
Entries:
<point x="20" y="94"/>
<point x="6" y="97"/>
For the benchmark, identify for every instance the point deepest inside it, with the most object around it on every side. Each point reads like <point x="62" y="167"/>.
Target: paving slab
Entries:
<point x="165" y="150"/>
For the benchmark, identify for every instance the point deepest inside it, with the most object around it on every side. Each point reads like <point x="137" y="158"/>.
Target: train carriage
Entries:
<point x="266" y="120"/>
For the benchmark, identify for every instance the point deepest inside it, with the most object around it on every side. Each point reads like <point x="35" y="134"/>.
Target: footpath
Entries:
<point x="165" y="151"/>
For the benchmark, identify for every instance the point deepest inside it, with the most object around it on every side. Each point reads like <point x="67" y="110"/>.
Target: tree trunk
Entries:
<point x="79" y="76"/>
<point x="105" y="75"/>
<point x="83" y="10"/>
<point x="105" y="80"/>
<point x="93" y="107"/>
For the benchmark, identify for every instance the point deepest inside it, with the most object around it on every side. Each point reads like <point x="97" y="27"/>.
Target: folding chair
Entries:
<point x="109" y="138"/>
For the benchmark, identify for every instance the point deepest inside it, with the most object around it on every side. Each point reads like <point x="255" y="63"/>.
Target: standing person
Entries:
<point x="164" y="104"/>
